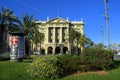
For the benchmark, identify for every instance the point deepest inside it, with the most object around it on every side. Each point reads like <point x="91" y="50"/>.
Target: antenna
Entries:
<point x="107" y="19"/>
<point x="67" y="19"/>
<point x="47" y="18"/>
<point x="57" y="13"/>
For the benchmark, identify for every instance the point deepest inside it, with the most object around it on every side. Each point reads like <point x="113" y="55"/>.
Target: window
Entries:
<point x="50" y="40"/>
<point x="50" y="34"/>
<point x="63" y="39"/>
<point x="57" y="40"/>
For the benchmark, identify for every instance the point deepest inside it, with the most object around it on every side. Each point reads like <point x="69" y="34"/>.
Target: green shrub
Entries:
<point x="84" y="66"/>
<point x="36" y="57"/>
<point x="52" y="67"/>
<point x="91" y="60"/>
<point x="96" y="59"/>
<point x="46" y="68"/>
<point x="70" y="63"/>
<point x="107" y="58"/>
<point x="5" y="56"/>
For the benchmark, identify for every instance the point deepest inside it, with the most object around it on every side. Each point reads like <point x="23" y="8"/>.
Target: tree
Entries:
<point x="115" y="46"/>
<point x="99" y="46"/>
<point x="31" y="30"/>
<point x="88" y="43"/>
<point x="7" y="24"/>
<point x="38" y="39"/>
<point x="76" y="38"/>
<point x="84" y="42"/>
<point x="72" y="37"/>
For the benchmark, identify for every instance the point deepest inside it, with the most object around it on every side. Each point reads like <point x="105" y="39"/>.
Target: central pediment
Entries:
<point x="57" y="20"/>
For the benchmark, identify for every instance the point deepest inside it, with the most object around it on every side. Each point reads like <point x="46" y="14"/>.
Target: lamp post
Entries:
<point x="107" y="19"/>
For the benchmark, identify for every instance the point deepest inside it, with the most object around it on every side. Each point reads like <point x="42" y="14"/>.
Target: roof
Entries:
<point x="57" y="20"/>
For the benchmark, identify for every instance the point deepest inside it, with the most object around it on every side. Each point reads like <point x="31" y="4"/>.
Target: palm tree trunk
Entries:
<point x="40" y="48"/>
<point x="82" y="48"/>
<point x="31" y="48"/>
<point x="1" y="38"/>
<point x="70" y="51"/>
<point x="1" y="41"/>
<point x="24" y="47"/>
<point x="77" y="48"/>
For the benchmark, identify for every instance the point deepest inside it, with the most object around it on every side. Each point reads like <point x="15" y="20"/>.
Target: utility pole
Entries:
<point x="107" y="19"/>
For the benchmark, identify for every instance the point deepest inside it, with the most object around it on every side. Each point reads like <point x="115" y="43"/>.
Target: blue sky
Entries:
<point x="91" y="11"/>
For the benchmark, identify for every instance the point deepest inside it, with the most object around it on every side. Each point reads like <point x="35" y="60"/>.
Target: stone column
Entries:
<point x="54" y="35"/>
<point x="61" y="50"/>
<point x="61" y="35"/>
<point x="67" y="31"/>
<point x="47" y="35"/>
<point x="46" y="51"/>
<point x="54" y="50"/>
<point x="68" y="45"/>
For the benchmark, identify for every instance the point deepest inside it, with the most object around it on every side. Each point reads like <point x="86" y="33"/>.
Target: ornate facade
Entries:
<point x="56" y="34"/>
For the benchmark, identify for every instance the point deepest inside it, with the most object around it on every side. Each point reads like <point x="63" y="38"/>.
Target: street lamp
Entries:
<point x="106" y="19"/>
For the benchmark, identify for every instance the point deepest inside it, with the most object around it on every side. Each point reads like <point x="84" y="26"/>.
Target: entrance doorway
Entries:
<point x="65" y="50"/>
<point x="57" y="50"/>
<point x="50" y="50"/>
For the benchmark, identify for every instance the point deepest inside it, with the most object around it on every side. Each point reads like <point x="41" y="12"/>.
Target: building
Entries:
<point x="56" y="32"/>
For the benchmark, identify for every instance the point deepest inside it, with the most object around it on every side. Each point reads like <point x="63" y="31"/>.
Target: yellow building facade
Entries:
<point x="56" y="32"/>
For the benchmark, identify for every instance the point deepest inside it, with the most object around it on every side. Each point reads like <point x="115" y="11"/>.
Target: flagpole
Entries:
<point x="106" y="19"/>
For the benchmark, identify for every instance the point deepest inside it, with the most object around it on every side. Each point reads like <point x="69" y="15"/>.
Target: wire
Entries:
<point x="24" y="4"/>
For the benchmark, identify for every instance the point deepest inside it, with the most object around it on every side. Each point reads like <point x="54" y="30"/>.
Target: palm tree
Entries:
<point x="38" y="39"/>
<point x="76" y="38"/>
<point x="30" y="29"/>
<point x="82" y="43"/>
<point x="88" y="43"/>
<point x="7" y="24"/>
<point x="72" y="37"/>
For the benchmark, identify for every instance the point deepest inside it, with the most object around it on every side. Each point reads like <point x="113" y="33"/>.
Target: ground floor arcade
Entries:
<point x="51" y="49"/>
<point x="56" y="50"/>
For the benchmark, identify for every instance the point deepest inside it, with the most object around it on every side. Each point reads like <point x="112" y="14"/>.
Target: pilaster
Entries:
<point x="61" y="35"/>
<point x="54" y="35"/>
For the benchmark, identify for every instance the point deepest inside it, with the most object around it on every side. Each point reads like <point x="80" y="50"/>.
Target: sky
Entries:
<point x="90" y="11"/>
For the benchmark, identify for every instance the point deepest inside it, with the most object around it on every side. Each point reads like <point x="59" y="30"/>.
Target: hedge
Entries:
<point x="53" y="67"/>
